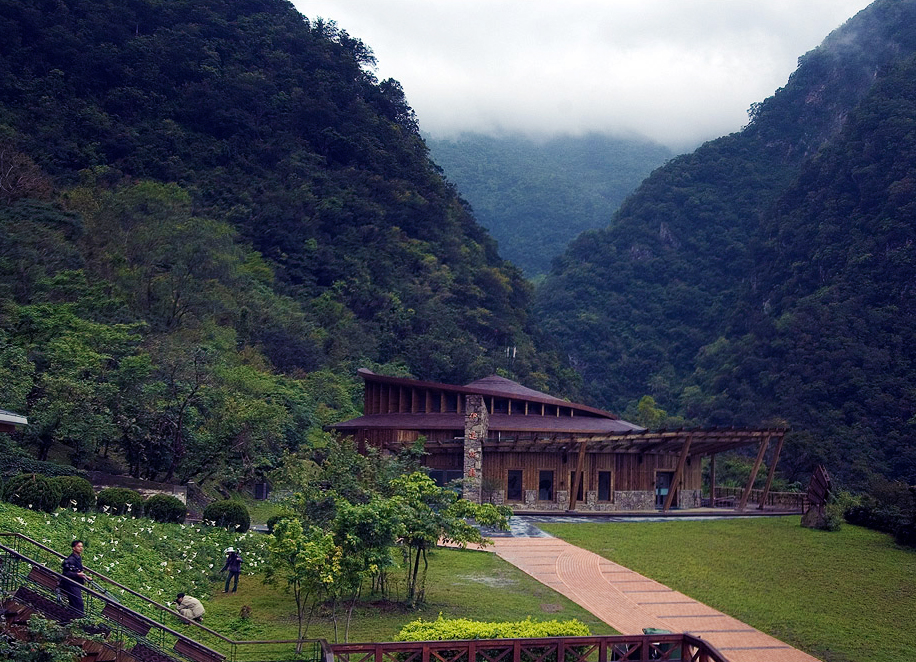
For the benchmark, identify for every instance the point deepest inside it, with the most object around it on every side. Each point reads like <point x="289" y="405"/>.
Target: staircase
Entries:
<point x="127" y="628"/>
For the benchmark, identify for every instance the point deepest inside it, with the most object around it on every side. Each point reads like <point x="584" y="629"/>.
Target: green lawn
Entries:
<point x="460" y="584"/>
<point x="159" y="560"/>
<point x="848" y="596"/>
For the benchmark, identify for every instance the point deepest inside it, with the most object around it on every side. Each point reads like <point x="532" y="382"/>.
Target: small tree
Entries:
<point x="366" y="534"/>
<point x="307" y="563"/>
<point x="430" y="513"/>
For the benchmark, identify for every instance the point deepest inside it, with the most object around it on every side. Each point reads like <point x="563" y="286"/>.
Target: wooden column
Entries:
<point x="753" y="476"/>
<point x="578" y="479"/>
<point x="712" y="480"/>
<point x="678" y="474"/>
<point x="773" y="461"/>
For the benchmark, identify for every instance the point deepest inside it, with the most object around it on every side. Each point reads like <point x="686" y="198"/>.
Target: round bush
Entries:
<point x="75" y="492"/>
<point x="273" y="519"/>
<point x="228" y="513"/>
<point x="120" y="501"/>
<point x="33" y="491"/>
<point x="165" y="508"/>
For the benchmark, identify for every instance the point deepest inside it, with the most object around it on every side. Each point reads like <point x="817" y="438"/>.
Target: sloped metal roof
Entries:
<point x="494" y="386"/>
<point x="14" y="419"/>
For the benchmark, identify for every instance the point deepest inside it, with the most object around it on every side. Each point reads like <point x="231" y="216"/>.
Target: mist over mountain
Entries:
<point x="536" y="196"/>
<point x="764" y="277"/>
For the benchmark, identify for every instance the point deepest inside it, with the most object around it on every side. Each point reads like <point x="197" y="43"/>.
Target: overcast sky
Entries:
<point x="677" y="71"/>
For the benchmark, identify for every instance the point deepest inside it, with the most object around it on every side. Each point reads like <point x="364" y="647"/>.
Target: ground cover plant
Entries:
<point x="160" y="560"/>
<point x="845" y="596"/>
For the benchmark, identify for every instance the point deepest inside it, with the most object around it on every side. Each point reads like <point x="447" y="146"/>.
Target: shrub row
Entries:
<point x="443" y="629"/>
<point x="888" y="507"/>
<point x="44" y="493"/>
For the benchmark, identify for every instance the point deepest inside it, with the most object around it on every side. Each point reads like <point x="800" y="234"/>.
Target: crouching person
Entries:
<point x="190" y="608"/>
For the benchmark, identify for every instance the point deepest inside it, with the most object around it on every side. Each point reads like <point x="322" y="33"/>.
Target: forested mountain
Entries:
<point x="768" y="275"/>
<point x="536" y="197"/>
<point x="210" y="214"/>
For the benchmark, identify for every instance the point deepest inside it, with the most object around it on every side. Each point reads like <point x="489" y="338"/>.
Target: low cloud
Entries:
<point x="677" y="72"/>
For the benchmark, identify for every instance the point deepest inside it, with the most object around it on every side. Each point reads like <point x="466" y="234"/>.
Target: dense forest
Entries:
<point x="212" y="213"/>
<point x="536" y="196"/>
<point x="768" y="275"/>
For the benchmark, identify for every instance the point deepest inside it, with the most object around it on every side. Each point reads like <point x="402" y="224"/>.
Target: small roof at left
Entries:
<point x="12" y="418"/>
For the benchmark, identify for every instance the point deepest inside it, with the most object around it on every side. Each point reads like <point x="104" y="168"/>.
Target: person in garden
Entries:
<point x="234" y="565"/>
<point x="74" y="578"/>
<point x="190" y="608"/>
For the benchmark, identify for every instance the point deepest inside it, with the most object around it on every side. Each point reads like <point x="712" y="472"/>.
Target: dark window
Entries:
<point x="604" y="486"/>
<point x="514" y="485"/>
<point x="443" y="478"/>
<point x="500" y="406"/>
<point x="545" y="486"/>
<point x="451" y="402"/>
<point x="572" y="482"/>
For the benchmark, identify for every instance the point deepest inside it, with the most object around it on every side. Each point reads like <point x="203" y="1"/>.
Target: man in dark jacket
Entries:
<point x="234" y="566"/>
<point x="74" y="578"/>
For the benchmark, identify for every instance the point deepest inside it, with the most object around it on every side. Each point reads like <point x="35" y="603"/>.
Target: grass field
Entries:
<point x="460" y="584"/>
<point x="848" y="596"/>
<point x="159" y="560"/>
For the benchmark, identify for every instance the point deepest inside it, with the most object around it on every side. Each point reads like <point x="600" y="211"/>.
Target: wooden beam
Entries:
<point x="773" y="461"/>
<point x="578" y="479"/>
<point x="750" y="481"/>
<point x="678" y="474"/>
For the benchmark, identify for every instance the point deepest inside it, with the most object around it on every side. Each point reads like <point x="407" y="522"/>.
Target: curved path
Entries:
<point x="629" y="602"/>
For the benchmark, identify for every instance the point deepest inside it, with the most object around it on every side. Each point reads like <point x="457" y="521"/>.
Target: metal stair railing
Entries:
<point x="136" y="618"/>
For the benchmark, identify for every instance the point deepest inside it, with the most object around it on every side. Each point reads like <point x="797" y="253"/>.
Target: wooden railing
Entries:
<point x="631" y="648"/>
<point x="133" y="618"/>
<point x="729" y="497"/>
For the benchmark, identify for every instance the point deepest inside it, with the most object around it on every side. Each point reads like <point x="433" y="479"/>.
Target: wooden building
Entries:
<point x="534" y="452"/>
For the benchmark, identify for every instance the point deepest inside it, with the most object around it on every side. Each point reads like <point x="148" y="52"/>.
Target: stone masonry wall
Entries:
<point x="476" y="426"/>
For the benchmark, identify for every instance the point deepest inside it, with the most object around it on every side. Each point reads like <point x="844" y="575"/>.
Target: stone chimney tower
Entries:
<point x="476" y="426"/>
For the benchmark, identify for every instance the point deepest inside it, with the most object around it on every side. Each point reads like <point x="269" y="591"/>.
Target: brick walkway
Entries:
<point x="629" y="602"/>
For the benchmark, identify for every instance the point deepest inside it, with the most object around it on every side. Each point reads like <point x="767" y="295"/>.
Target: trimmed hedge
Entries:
<point x="33" y="491"/>
<point x="228" y="513"/>
<point x="443" y="629"/>
<point x="14" y="461"/>
<point x="120" y="501"/>
<point x="165" y="508"/>
<point x="75" y="492"/>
